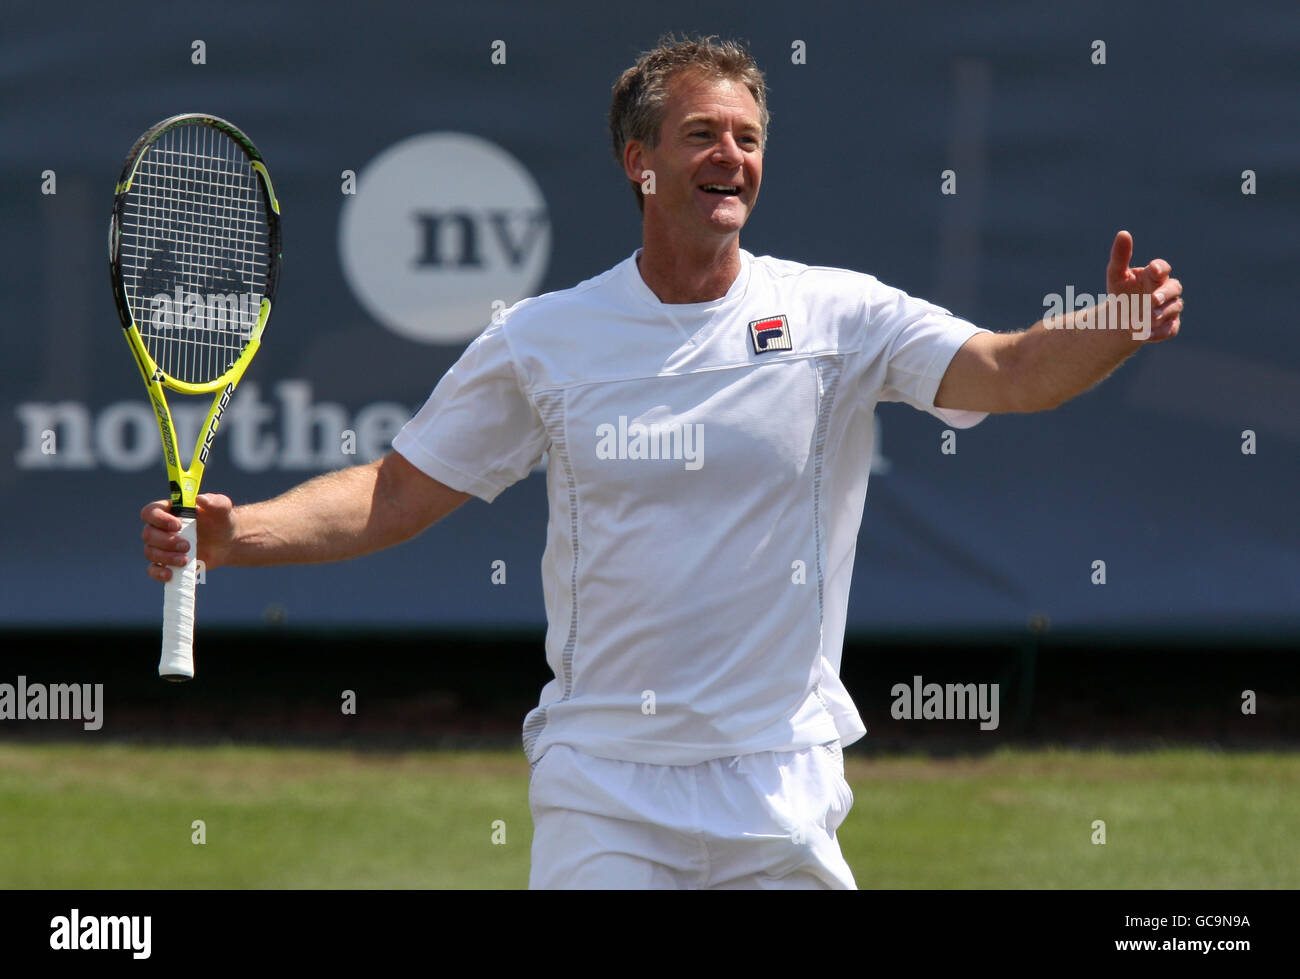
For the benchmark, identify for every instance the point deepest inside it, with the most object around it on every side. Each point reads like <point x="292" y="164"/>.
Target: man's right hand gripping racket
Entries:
<point x="194" y="252"/>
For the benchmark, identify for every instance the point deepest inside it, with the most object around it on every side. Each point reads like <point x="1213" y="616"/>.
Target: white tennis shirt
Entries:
<point x="707" y="468"/>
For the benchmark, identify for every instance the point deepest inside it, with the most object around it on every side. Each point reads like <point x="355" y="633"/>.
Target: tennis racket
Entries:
<point x="194" y="252"/>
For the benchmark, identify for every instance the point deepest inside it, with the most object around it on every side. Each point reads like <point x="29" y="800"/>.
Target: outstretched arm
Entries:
<point x="1060" y="357"/>
<point x="335" y="516"/>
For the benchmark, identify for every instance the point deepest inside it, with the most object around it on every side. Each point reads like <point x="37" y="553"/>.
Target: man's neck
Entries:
<point x="676" y="273"/>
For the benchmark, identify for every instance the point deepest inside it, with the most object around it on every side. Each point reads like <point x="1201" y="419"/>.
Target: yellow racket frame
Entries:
<point x="185" y="482"/>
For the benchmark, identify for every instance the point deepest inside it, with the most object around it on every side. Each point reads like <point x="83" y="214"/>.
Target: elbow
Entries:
<point x="1024" y="389"/>
<point x="1030" y="390"/>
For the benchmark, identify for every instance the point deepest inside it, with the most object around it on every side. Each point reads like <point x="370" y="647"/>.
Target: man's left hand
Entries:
<point x="1166" y="293"/>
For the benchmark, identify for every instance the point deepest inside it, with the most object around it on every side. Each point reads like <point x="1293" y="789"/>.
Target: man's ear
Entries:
<point x="634" y="154"/>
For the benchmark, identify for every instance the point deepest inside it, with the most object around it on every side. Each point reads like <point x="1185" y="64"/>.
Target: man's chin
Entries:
<point x="718" y="221"/>
<point x="727" y="219"/>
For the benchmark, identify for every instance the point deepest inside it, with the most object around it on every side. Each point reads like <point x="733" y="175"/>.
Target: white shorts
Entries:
<point x="764" y="820"/>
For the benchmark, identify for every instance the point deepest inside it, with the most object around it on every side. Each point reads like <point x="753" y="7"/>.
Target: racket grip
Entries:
<point x="177" y="661"/>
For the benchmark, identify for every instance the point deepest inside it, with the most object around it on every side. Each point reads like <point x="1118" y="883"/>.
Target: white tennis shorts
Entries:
<point x="764" y="820"/>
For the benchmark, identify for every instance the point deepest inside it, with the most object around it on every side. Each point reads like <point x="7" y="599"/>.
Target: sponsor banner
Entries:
<point x="427" y="185"/>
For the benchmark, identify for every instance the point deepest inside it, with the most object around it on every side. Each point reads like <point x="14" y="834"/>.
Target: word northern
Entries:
<point x="55" y="702"/>
<point x="231" y="312"/>
<point x="1113" y="312"/>
<point x="684" y="443"/>
<point x="292" y="431"/>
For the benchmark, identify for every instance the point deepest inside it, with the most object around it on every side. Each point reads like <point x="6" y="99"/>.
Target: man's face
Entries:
<point x="709" y="161"/>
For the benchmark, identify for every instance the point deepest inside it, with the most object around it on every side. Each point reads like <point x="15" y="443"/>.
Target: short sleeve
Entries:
<point x="923" y="340"/>
<point x="478" y="432"/>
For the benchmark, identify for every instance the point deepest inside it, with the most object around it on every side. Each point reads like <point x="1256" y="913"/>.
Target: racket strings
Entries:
<point x="194" y="251"/>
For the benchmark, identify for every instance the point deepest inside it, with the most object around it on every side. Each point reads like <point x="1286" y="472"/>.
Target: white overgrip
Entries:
<point x="177" y="661"/>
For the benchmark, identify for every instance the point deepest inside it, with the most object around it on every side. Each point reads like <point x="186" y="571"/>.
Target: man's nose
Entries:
<point x="727" y="151"/>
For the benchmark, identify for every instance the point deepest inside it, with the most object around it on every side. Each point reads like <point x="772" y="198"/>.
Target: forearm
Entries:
<point x="1062" y="356"/>
<point x="335" y="516"/>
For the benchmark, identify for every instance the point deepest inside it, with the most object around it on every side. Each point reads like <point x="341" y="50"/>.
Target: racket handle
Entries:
<point x="177" y="661"/>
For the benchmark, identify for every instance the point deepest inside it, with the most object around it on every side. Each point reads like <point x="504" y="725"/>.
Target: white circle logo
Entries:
<point x="442" y="226"/>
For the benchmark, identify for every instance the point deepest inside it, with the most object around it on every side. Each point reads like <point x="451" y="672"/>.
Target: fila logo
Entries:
<point x="772" y="333"/>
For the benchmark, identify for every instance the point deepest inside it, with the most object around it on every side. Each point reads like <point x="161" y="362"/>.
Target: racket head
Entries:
<point x="194" y="250"/>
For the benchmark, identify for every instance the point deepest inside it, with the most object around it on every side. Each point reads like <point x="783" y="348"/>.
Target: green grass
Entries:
<point x="1177" y="819"/>
<point x="120" y="816"/>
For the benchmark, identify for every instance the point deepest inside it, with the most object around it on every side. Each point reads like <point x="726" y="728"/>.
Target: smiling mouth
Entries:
<point x="726" y="190"/>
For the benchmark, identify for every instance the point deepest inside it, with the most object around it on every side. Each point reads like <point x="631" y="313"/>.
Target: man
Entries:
<point x="708" y="421"/>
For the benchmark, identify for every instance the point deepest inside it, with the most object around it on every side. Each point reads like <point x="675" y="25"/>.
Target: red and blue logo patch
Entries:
<point x="770" y="333"/>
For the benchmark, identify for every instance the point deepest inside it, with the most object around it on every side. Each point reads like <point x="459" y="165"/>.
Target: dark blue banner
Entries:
<point x="435" y="165"/>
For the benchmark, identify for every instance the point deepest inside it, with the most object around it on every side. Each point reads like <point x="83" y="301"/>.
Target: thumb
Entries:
<point x="1121" y="251"/>
<point x="214" y="503"/>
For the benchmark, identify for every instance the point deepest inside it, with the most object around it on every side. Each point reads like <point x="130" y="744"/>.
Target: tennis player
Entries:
<point x="707" y="416"/>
